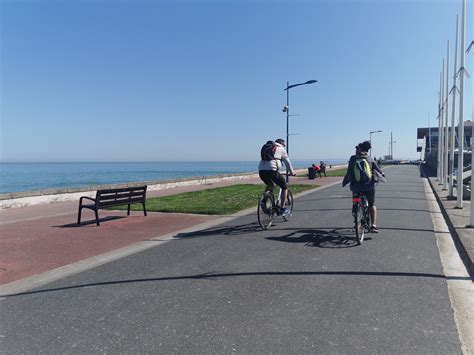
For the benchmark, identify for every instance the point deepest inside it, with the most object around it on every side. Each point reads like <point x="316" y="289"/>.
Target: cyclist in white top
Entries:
<point x="270" y="167"/>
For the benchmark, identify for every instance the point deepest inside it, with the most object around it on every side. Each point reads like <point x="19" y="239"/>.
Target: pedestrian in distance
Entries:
<point x="322" y="165"/>
<point x="317" y="170"/>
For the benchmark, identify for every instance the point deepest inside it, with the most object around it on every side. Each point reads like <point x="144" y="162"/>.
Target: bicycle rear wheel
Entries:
<point x="289" y="204"/>
<point x="368" y="220"/>
<point x="359" y="224"/>
<point x="265" y="210"/>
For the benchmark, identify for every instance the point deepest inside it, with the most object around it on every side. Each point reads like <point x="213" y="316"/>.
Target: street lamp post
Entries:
<point x="390" y="146"/>
<point x="287" y="110"/>
<point x="370" y="140"/>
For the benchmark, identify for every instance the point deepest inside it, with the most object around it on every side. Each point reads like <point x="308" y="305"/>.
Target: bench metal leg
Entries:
<point x="97" y="217"/>
<point x="128" y="210"/>
<point x="144" y="208"/>
<point x="79" y="215"/>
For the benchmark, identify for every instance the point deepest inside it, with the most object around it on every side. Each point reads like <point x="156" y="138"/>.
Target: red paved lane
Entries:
<point x="31" y="247"/>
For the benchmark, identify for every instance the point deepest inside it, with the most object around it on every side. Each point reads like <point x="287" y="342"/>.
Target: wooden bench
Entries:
<point x="113" y="197"/>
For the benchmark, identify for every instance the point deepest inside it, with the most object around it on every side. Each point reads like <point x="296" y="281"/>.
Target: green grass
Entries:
<point x="216" y="201"/>
<point x="337" y="172"/>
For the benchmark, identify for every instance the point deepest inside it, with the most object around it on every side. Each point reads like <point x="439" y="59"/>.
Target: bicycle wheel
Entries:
<point x="367" y="219"/>
<point x="359" y="224"/>
<point x="265" y="210"/>
<point x="289" y="204"/>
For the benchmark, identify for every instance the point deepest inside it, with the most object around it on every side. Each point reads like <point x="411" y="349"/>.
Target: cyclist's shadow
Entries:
<point x="321" y="238"/>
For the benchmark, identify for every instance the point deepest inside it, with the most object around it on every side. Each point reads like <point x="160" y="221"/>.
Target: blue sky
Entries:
<point x="203" y="80"/>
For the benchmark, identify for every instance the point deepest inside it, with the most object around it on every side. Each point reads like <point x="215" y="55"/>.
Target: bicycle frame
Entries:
<point x="266" y="213"/>
<point x="360" y="211"/>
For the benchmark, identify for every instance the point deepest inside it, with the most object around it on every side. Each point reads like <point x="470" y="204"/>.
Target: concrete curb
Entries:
<point x="463" y="253"/>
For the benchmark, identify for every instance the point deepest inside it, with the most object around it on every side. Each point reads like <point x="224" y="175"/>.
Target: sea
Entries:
<point x="24" y="177"/>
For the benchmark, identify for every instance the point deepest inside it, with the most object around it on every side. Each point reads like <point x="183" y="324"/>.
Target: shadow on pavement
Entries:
<point x="321" y="238"/>
<point x="225" y="230"/>
<point x="88" y="223"/>
<point x="216" y="276"/>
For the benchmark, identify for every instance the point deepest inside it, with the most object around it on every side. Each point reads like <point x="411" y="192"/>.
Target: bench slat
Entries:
<point x="116" y="203"/>
<point x="124" y="189"/>
<point x="122" y="196"/>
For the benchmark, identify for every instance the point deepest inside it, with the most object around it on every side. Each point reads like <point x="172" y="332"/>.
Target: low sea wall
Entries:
<point x="30" y="198"/>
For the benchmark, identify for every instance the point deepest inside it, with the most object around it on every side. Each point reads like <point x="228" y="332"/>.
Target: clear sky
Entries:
<point x="203" y="80"/>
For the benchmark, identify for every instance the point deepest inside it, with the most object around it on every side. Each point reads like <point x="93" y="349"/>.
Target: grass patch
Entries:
<point x="337" y="172"/>
<point x="216" y="201"/>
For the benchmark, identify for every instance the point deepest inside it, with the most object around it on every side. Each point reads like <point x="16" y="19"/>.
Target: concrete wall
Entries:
<point x="31" y="198"/>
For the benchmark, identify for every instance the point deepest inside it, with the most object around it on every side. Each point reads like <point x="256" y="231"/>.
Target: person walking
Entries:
<point x="322" y="165"/>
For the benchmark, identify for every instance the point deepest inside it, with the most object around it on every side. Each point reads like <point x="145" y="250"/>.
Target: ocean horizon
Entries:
<point x="34" y="176"/>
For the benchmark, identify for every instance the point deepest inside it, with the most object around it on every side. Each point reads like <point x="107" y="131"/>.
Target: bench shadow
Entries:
<point x="322" y="238"/>
<point x="88" y="223"/>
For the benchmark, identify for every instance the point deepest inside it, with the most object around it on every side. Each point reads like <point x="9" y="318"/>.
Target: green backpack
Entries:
<point x="362" y="170"/>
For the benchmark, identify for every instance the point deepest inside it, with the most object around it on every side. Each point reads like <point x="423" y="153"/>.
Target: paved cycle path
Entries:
<point x="301" y="287"/>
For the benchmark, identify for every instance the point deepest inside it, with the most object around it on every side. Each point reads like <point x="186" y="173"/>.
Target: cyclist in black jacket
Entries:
<point x="366" y="186"/>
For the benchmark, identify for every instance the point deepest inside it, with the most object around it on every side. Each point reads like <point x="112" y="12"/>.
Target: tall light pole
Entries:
<point x="287" y="110"/>
<point x="441" y="119"/>
<point x="391" y="146"/>
<point x="459" y="188"/>
<point x="453" y="111"/>
<point x="446" y="134"/>
<point x="370" y="140"/>
<point x="429" y="133"/>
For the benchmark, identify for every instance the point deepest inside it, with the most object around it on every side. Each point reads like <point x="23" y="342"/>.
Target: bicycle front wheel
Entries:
<point x="265" y="211"/>
<point x="289" y="204"/>
<point x="359" y="224"/>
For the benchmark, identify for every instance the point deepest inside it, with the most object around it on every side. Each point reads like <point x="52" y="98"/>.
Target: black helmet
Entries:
<point x="365" y="146"/>
<point x="280" y="141"/>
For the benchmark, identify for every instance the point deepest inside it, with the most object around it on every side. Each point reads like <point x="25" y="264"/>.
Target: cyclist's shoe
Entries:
<point x="279" y="210"/>
<point x="374" y="229"/>
<point x="285" y="211"/>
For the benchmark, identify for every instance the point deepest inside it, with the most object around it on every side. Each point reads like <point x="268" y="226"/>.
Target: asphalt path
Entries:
<point x="303" y="286"/>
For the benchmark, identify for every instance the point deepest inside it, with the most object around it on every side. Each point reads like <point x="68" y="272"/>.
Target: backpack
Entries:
<point x="268" y="150"/>
<point x="362" y="170"/>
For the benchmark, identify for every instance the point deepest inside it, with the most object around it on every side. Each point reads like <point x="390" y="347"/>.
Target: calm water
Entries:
<point x="16" y="177"/>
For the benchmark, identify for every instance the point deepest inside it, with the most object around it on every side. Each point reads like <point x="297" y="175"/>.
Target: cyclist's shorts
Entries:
<point x="370" y="194"/>
<point x="271" y="177"/>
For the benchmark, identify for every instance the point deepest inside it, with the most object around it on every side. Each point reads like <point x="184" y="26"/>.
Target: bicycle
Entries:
<point x="268" y="207"/>
<point x="360" y="211"/>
